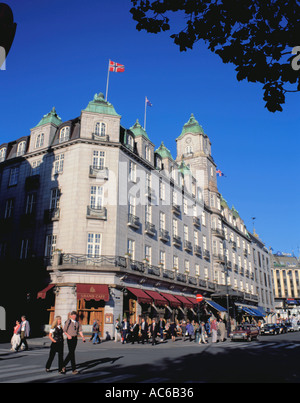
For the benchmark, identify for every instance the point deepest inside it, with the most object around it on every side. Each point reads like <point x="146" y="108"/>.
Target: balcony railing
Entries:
<point x="176" y="209"/>
<point x="164" y="235"/>
<point x="188" y="246"/>
<point x="97" y="213"/>
<point x="98" y="172"/>
<point x="197" y="250"/>
<point x="206" y="254"/>
<point x="133" y="221"/>
<point x="196" y="221"/>
<point x="176" y="240"/>
<point x="51" y="215"/>
<point x="218" y="232"/>
<point x="219" y="257"/>
<point x="97" y="136"/>
<point x="150" y="228"/>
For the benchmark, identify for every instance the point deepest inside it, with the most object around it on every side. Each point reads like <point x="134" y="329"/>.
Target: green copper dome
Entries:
<point x="164" y="152"/>
<point x="138" y="130"/>
<point x="51" y="117"/>
<point x="192" y="126"/>
<point x="99" y="105"/>
<point x="184" y="169"/>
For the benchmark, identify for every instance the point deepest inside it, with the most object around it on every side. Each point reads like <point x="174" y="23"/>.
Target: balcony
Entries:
<point x="229" y="265"/>
<point x="206" y="254"/>
<point x="176" y="209"/>
<point x="150" y="193"/>
<point x="198" y="250"/>
<point x="98" y="173"/>
<point x="245" y="252"/>
<point x="97" y="136"/>
<point x="164" y="235"/>
<point x="176" y="240"/>
<point x="133" y="221"/>
<point x="236" y="268"/>
<point x="181" y="277"/>
<point x="51" y="215"/>
<point x="32" y="182"/>
<point x="218" y="232"/>
<point x="234" y="245"/>
<point x="188" y="246"/>
<point x="218" y="257"/>
<point x="150" y="229"/>
<point x="97" y="213"/>
<point x="197" y="222"/>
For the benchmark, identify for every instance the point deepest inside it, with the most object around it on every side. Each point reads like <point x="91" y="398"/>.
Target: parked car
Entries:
<point x="291" y="327"/>
<point x="245" y="332"/>
<point x="282" y="328"/>
<point x="270" y="329"/>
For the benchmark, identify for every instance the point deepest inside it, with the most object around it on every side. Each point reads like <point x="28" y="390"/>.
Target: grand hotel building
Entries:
<point x="121" y="227"/>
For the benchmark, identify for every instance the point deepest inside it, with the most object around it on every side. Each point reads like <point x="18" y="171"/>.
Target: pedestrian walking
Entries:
<point x="117" y="331"/>
<point x="173" y="331"/>
<point x="72" y="329"/>
<point x="161" y="328"/>
<point x="56" y="335"/>
<point x="96" y="330"/>
<point x="124" y="330"/>
<point x="203" y="334"/>
<point x="25" y="332"/>
<point x="222" y="330"/>
<point x="153" y="331"/>
<point x="134" y="333"/>
<point x="16" y="338"/>
<point x="214" y="329"/>
<point x="190" y="330"/>
<point x="144" y="331"/>
<point x="183" y="330"/>
<point x="197" y="332"/>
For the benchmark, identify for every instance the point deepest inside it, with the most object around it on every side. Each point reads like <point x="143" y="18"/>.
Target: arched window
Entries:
<point x="39" y="140"/>
<point x="100" y="129"/>
<point x="2" y="154"/>
<point x="21" y="148"/>
<point x="64" y="134"/>
<point x="130" y="141"/>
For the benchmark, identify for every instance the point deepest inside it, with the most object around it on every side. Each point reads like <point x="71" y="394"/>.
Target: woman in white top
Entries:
<point x="56" y="335"/>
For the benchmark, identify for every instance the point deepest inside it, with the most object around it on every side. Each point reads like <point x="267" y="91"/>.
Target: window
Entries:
<point x="162" y="190"/>
<point x="131" y="248"/>
<point x="39" y="142"/>
<point x="2" y="154"/>
<point x="50" y="245"/>
<point x="189" y="150"/>
<point x="196" y="239"/>
<point x="13" y="176"/>
<point x="30" y="203"/>
<point x="130" y="141"/>
<point x="147" y="152"/>
<point x="175" y="227"/>
<point x="204" y="243"/>
<point x="21" y="148"/>
<point x="98" y="159"/>
<point x="203" y="216"/>
<point x="162" y="221"/>
<point x="96" y="197"/>
<point x="24" y="251"/>
<point x="54" y="198"/>
<point x="175" y="263"/>
<point x="35" y="167"/>
<point x="186" y="266"/>
<point x="162" y="259"/>
<point x="9" y="208"/>
<point x="148" y="254"/>
<point x="132" y="171"/>
<point x="131" y="205"/>
<point x="100" y="129"/>
<point x="185" y="233"/>
<point x="59" y="163"/>
<point x="148" y="213"/>
<point x="94" y="245"/>
<point x="197" y="270"/>
<point x="185" y="206"/>
<point x="64" y="134"/>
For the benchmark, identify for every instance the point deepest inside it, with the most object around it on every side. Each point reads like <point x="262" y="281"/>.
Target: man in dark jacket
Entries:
<point x="153" y="331"/>
<point x="124" y="330"/>
<point x="144" y="331"/>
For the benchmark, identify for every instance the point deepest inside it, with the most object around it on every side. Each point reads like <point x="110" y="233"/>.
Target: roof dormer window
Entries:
<point x="100" y="129"/>
<point x="2" y="154"/>
<point x="39" y="142"/>
<point x="21" y="148"/>
<point x="64" y="134"/>
<point x="130" y="141"/>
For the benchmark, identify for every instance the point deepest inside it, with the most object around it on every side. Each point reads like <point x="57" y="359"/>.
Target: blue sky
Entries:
<point x="60" y="58"/>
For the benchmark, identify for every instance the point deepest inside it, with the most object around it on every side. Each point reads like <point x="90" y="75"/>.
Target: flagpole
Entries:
<point x="107" y="81"/>
<point x="145" y="114"/>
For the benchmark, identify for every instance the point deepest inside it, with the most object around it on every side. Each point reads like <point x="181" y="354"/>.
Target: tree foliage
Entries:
<point x="257" y="36"/>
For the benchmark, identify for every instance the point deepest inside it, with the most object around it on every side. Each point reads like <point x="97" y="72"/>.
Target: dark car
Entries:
<point x="282" y="328"/>
<point x="245" y="332"/>
<point x="270" y="329"/>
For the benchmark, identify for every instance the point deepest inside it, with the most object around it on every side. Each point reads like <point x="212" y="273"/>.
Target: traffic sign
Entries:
<point x="199" y="297"/>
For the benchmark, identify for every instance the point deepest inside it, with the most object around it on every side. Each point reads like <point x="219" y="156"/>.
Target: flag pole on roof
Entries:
<point x="147" y="103"/>
<point x="115" y="67"/>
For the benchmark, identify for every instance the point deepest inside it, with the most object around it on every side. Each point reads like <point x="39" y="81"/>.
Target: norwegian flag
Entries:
<point x="219" y="172"/>
<point x="116" y="67"/>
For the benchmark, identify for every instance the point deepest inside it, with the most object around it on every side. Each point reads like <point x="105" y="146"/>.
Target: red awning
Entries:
<point x="193" y="300"/>
<point x="142" y="297"/>
<point x="93" y="291"/>
<point x="173" y="301"/>
<point x="157" y="298"/>
<point x="42" y="294"/>
<point x="185" y="301"/>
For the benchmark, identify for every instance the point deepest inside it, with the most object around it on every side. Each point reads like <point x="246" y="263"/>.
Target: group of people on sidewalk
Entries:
<point x="20" y="335"/>
<point x="145" y="332"/>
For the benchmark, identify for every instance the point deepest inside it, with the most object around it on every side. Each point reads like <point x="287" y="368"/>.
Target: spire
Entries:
<point x="51" y="117"/>
<point x="164" y="152"/>
<point x="192" y="126"/>
<point x="99" y="105"/>
<point x="138" y="130"/>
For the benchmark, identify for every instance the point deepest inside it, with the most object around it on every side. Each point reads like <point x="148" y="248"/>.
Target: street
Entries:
<point x="272" y="359"/>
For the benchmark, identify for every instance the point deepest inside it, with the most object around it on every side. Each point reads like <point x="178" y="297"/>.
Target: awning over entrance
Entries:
<point x="193" y="300"/>
<point x="252" y="311"/>
<point x="215" y="305"/>
<point x="174" y="302"/>
<point x="93" y="291"/>
<point x="42" y="294"/>
<point x="157" y="298"/>
<point x="142" y="297"/>
<point x="185" y="301"/>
